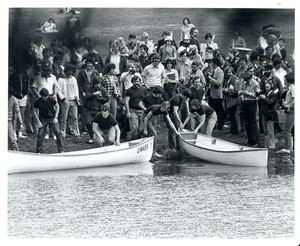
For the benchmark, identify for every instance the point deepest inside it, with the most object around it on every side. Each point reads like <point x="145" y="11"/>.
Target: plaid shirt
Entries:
<point x="109" y="85"/>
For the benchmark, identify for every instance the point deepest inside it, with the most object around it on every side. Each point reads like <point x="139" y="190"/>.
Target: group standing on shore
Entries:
<point x="69" y="90"/>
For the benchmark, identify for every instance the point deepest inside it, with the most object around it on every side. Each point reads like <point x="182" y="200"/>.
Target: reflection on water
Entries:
<point x="146" y="200"/>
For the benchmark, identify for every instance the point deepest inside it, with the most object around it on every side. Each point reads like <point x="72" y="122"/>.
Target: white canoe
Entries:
<point x="222" y="152"/>
<point x="135" y="151"/>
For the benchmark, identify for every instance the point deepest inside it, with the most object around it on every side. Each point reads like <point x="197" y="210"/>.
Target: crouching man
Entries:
<point x="105" y="123"/>
<point x="46" y="110"/>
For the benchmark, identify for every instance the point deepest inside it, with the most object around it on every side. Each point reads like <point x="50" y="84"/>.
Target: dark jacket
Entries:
<point x="122" y="64"/>
<point x="269" y="105"/>
<point x="231" y="96"/>
<point x="93" y="103"/>
<point x="83" y="81"/>
<point x="20" y="87"/>
<point x="195" y="42"/>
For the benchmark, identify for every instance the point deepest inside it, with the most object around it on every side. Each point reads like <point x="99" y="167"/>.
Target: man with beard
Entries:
<point x="194" y="33"/>
<point x="133" y="96"/>
<point x="268" y="76"/>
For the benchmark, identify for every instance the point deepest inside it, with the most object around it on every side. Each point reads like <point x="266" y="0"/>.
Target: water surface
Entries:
<point x="152" y="201"/>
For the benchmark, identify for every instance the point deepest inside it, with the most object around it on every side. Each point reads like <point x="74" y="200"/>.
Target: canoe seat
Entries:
<point x="200" y="140"/>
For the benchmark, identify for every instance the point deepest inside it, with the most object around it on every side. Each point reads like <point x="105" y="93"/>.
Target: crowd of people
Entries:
<point x="68" y="89"/>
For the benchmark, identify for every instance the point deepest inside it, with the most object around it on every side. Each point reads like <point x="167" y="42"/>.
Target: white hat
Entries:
<point x="180" y="49"/>
<point x="168" y="38"/>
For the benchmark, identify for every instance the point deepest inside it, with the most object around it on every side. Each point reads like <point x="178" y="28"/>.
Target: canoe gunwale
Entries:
<point x="74" y="154"/>
<point x="135" y="151"/>
<point x="255" y="157"/>
<point x="249" y="149"/>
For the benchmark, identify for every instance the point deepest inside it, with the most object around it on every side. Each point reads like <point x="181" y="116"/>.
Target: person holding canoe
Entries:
<point x="105" y="123"/>
<point x="176" y="102"/>
<point x="155" y="110"/>
<point x="204" y="114"/>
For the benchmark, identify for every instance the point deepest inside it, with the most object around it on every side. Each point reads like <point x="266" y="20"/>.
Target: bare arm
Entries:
<point x="171" y="124"/>
<point x="148" y="116"/>
<point x="142" y="106"/>
<point x="202" y="120"/>
<point x="175" y="110"/>
<point x="186" y="121"/>
<point x="118" y="133"/>
<point x="96" y="130"/>
<point x="56" y="108"/>
<point x="126" y="99"/>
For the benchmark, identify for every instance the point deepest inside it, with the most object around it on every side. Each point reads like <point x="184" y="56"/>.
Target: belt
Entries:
<point x="249" y="101"/>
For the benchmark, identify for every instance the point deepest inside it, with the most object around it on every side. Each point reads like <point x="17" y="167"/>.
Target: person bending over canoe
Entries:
<point x="204" y="114"/>
<point x="105" y="123"/>
<point x="46" y="110"/>
<point x="176" y="103"/>
<point x="154" y="110"/>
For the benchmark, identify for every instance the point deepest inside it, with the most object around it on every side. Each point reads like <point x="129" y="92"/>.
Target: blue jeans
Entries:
<point x="290" y="117"/>
<point x="56" y="129"/>
<point x="69" y="106"/>
<point x="111" y="135"/>
<point x="249" y="110"/>
<point x="172" y="137"/>
<point x="12" y="142"/>
<point x="136" y="120"/>
<point x="152" y="132"/>
<point x="89" y="118"/>
<point x="112" y="103"/>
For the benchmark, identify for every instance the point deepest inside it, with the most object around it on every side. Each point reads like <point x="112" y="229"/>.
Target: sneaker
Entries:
<point x="46" y="136"/>
<point x="16" y="137"/>
<point x="91" y="141"/>
<point x="84" y="133"/>
<point x="157" y="155"/>
<point x="54" y="137"/>
<point x="284" y="151"/>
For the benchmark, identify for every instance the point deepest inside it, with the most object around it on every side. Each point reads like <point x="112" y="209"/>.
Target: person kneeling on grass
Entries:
<point x="204" y="114"/>
<point x="105" y="123"/>
<point x="46" y="110"/>
<point x="148" y="125"/>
